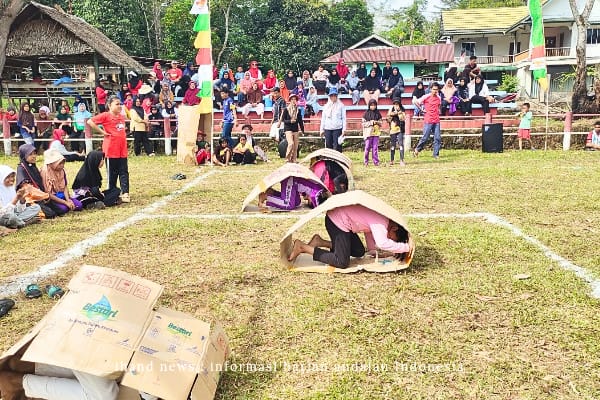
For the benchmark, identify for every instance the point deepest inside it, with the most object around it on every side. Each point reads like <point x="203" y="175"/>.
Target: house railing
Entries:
<point x="508" y="59"/>
<point x="552" y="52"/>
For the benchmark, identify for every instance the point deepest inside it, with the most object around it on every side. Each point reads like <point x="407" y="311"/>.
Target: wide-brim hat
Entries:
<point x="51" y="156"/>
<point x="145" y="89"/>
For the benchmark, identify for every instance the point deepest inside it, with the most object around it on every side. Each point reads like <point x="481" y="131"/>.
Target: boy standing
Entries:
<point x="229" y="117"/>
<point x="525" y="126"/>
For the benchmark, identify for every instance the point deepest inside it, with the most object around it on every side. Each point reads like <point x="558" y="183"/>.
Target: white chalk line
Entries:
<point x="493" y="219"/>
<point x="81" y="248"/>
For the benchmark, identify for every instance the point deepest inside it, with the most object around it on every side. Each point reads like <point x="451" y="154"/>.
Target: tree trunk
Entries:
<point x="580" y="102"/>
<point x="226" y="38"/>
<point x="8" y="13"/>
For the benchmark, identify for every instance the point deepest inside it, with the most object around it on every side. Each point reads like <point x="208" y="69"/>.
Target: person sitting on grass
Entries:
<point x="293" y="189"/>
<point x="202" y="153"/>
<point x="222" y="153"/>
<point x="58" y="144"/>
<point x="247" y="131"/>
<point x="243" y="153"/>
<point x="14" y="211"/>
<point x="592" y="142"/>
<point x="55" y="181"/>
<point x="87" y="186"/>
<point x="524" y="131"/>
<point x="343" y="224"/>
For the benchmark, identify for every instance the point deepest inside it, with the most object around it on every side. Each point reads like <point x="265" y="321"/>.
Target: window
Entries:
<point x="550" y="42"/>
<point x="468" y="48"/>
<point x="490" y="50"/>
<point x="593" y="36"/>
<point x="511" y="48"/>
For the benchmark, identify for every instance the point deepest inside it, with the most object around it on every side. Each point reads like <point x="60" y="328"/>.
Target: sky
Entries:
<point x="431" y="11"/>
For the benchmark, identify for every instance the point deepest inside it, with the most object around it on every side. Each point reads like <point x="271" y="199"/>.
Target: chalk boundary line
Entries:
<point x="15" y="283"/>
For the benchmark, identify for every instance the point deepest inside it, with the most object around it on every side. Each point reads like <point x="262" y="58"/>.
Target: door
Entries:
<point x="550" y="42"/>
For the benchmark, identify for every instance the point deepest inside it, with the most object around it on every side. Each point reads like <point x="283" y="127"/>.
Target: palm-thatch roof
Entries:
<point x="40" y="33"/>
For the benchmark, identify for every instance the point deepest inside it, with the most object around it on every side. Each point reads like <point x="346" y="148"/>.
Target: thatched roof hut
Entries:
<point x="41" y="33"/>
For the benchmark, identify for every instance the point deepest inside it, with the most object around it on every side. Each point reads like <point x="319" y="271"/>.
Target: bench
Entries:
<point x="24" y="91"/>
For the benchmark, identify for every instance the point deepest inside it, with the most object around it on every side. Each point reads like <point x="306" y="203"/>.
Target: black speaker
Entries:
<point x="492" y="138"/>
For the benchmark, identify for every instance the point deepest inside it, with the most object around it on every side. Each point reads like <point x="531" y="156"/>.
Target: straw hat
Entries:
<point x="51" y="156"/>
<point x="145" y="89"/>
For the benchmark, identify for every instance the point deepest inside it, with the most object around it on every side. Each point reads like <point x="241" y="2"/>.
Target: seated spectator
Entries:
<point x="243" y="88"/>
<point x="121" y="94"/>
<point x="270" y="82"/>
<point x="134" y="83"/>
<point x="301" y="93"/>
<point x="417" y="93"/>
<point x="592" y="142"/>
<point x="243" y="152"/>
<point x="480" y="94"/>
<point x="225" y="69"/>
<point x="372" y="86"/>
<point x="14" y="211"/>
<point x="87" y="186"/>
<point x="283" y="90"/>
<point x="181" y="87"/>
<point x="165" y="94"/>
<point x="386" y="73"/>
<point x="191" y="95"/>
<point x="222" y="154"/>
<point x="174" y="74"/>
<point x="312" y="102"/>
<point x="293" y="189"/>
<point x="320" y="79"/>
<point x="247" y="131"/>
<point x="44" y="125"/>
<point x="254" y="99"/>
<point x="26" y="124"/>
<point x="157" y="69"/>
<point x="306" y="79"/>
<point x="361" y="74"/>
<point x="395" y="84"/>
<point x="378" y="72"/>
<point x="63" y="118"/>
<point x="450" y="98"/>
<point x="153" y="82"/>
<point x="224" y="81"/>
<point x="463" y="94"/>
<point x="342" y="69"/>
<point x="451" y="73"/>
<point x="353" y="84"/>
<point x="203" y="154"/>
<point x="255" y="72"/>
<point x="239" y="74"/>
<point x="333" y="81"/>
<point x="58" y="144"/>
<point x="79" y="121"/>
<point x="190" y="69"/>
<point x="344" y="87"/>
<point x="78" y="100"/>
<point x="56" y="183"/>
<point x="290" y="80"/>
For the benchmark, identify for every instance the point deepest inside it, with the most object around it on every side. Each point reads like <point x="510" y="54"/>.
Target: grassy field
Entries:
<point x="458" y="324"/>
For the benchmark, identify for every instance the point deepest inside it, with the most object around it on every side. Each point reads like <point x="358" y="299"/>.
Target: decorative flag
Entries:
<point x="537" y="50"/>
<point x="204" y="56"/>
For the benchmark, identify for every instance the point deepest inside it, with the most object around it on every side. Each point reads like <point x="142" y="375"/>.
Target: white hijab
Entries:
<point x="7" y="193"/>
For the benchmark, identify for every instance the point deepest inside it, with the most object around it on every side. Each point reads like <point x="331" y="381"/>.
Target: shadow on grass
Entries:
<point x="426" y="257"/>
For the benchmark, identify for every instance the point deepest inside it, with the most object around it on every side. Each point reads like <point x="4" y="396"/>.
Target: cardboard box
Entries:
<point x="105" y="326"/>
<point x="305" y="263"/>
<point x="332" y="155"/>
<point x="279" y="175"/>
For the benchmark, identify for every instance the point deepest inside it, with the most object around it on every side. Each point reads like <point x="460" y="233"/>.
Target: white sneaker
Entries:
<point x="125" y="198"/>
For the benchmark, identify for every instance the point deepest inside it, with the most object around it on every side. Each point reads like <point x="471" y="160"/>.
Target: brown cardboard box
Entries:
<point x="279" y="175"/>
<point x="332" y="155"/>
<point x="105" y="326"/>
<point x="305" y="263"/>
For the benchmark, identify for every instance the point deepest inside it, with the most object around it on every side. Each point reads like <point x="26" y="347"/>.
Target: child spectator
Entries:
<point x="247" y="131"/>
<point x="87" y="185"/>
<point x="524" y="131"/>
<point x="55" y="181"/>
<point x="592" y="142"/>
<point x="371" y="122"/>
<point x="300" y="91"/>
<point x="239" y="73"/>
<point x="26" y="124"/>
<point x="396" y="117"/>
<point x="243" y="152"/>
<point x="222" y="154"/>
<point x="203" y="154"/>
<point x="14" y="211"/>
<point x="79" y="118"/>
<point x="12" y="117"/>
<point x="229" y="117"/>
<point x="432" y="103"/>
<point x="58" y="144"/>
<point x="290" y="196"/>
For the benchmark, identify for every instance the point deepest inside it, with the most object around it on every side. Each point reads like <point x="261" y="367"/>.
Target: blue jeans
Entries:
<point x="331" y="139"/>
<point x="226" y="134"/>
<point x="437" y="138"/>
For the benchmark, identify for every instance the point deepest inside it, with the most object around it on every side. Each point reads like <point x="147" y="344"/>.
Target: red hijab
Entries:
<point x="271" y="80"/>
<point x="342" y="68"/>
<point x="158" y="71"/>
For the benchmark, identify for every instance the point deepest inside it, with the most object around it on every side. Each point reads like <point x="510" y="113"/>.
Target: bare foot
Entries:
<point x="7" y="231"/>
<point x="11" y="385"/>
<point x="296" y="250"/>
<point x="318" y="241"/>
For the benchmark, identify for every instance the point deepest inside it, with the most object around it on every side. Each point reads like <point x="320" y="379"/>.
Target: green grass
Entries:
<point x="458" y="310"/>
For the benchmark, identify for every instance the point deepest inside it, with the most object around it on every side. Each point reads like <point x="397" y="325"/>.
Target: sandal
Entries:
<point x="178" y="177"/>
<point x="33" y="291"/>
<point x="5" y="306"/>
<point x="54" y="292"/>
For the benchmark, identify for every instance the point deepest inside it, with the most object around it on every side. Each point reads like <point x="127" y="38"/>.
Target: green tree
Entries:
<point x="452" y="4"/>
<point x="411" y="27"/>
<point x="177" y="25"/>
<point x="350" y="22"/>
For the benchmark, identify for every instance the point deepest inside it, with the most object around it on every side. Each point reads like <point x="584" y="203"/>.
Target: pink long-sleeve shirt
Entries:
<point x="357" y="218"/>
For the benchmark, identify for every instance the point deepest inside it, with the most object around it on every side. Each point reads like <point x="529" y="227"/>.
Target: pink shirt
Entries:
<point x="432" y="108"/>
<point x="357" y="218"/>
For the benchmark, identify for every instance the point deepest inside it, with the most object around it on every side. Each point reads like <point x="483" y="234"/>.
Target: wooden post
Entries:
<point x="407" y="136"/>
<point x="167" y="130"/>
<point x="87" y="131"/>
<point x="567" y="131"/>
<point x="6" y="136"/>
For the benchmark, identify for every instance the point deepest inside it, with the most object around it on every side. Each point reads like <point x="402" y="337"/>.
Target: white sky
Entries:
<point x="433" y="9"/>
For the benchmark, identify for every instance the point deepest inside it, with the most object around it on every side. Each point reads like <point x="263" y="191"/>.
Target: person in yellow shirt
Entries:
<point x="243" y="153"/>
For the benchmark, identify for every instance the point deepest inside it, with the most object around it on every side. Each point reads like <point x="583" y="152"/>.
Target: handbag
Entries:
<point x="34" y="195"/>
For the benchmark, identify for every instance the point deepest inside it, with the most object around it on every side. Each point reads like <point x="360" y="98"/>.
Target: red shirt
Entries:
<point x="432" y="108"/>
<point x="175" y="74"/>
<point x="134" y="90"/>
<point x="115" y="142"/>
<point x="101" y="95"/>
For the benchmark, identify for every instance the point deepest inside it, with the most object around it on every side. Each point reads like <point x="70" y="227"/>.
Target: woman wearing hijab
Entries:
<point x="14" y="210"/>
<point x="372" y="87"/>
<point x="244" y="86"/>
<point x="378" y="72"/>
<point x="333" y="81"/>
<point x="306" y="79"/>
<point x="58" y="143"/>
<point x="225" y="80"/>
<point x="138" y="125"/>
<point x="157" y="69"/>
<point x="29" y="175"/>
<point x="451" y="73"/>
<point x="387" y="72"/>
<point x="134" y="84"/>
<point x="26" y="123"/>
<point x="101" y="94"/>
<point x="270" y="82"/>
<point x="292" y="126"/>
<point x="191" y="95"/>
<point x="55" y="181"/>
<point x="361" y="72"/>
<point x="479" y="93"/>
<point x="189" y="69"/>
<point x="342" y="68"/>
<point x="165" y="94"/>
<point x="449" y="97"/>
<point x="81" y="115"/>
<point x="394" y="86"/>
<point x="88" y="183"/>
<point x="463" y="94"/>
<point x="372" y="122"/>
<point x="290" y="80"/>
<point x="122" y="94"/>
<point x="417" y="94"/>
<point x="63" y="118"/>
<point x="44" y="125"/>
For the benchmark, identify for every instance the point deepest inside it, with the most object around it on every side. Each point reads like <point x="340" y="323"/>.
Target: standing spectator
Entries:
<point x="417" y="94"/>
<point x="449" y="97"/>
<point x="254" y="98"/>
<point x="157" y="69"/>
<point x="191" y="95"/>
<point x="63" y="118"/>
<point x="333" y="81"/>
<point x="138" y="125"/>
<point x="12" y="116"/>
<point x="55" y="182"/>
<point x="58" y="144"/>
<point x="255" y="72"/>
<point x="290" y="80"/>
<point x="333" y="121"/>
<point x="229" y="117"/>
<point x="480" y="94"/>
<point x="432" y="102"/>
<point x="342" y="69"/>
<point x="44" y="127"/>
<point x="372" y="87"/>
<point x="293" y="126"/>
<point x="372" y="122"/>
<point x="79" y="118"/>
<point x="122" y="94"/>
<point x="270" y="82"/>
<point x="26" y="123"/>
<point x="471" y="70"/>
<point x="463" y="94"/>
<point x="278" y="107"/>
<point x="354" y="85"/>
<point x="312" y="101"/>
<point x="394" y="86"/>
<point x="525" y="126"/>
<point x="114" y="145"/>
<point x="101" y="94"/>
<point x="387" y="72"/>
<point x="592" y="142"/>
<point x="320" y="78"/>
<point x="306" y="79"/>
<point x="244" y="86"/>
<point x="396" y="118"/>
<point x="134" y="84"/>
